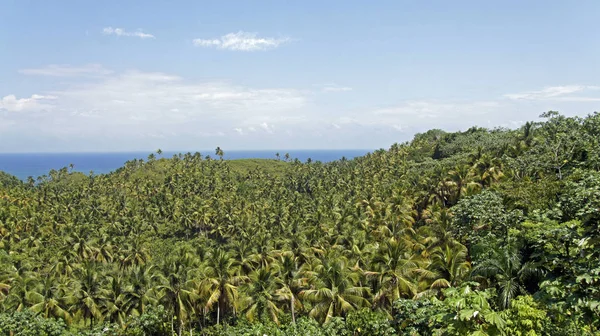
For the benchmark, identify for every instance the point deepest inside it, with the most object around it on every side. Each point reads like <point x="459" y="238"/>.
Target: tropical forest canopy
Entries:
<point x="481" y="232"/>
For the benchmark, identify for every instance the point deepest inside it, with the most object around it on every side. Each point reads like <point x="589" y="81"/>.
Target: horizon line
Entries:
<point x="281" y="151"/>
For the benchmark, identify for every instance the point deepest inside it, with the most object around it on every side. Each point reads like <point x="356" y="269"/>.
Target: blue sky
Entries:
<point x="191" y="75"/>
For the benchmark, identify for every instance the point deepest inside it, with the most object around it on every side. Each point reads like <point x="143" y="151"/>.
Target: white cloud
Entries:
<point x="415" y="116"/>
<point x="557" y="93"/>
<point x="65" y="70"/>
<point x="38" y="97"/>
<point x="135" y="110"/>
<point x="36" y="102"/>
<point x="207" y="43"/>
<point x="335" y="88"/>
<point x="578" y="99"/>
<point x="268" y="128"/>
<point x="120" y="32"/>
<point x="430" y="109"/>
<point x="135" y="103"/>
<point x="241" y="41"/>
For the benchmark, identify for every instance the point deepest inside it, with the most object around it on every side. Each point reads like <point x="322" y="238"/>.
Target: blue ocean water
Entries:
<point x="23" y="165"/>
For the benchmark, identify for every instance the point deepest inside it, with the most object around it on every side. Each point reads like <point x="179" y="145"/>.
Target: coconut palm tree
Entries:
<point x="88" y="292"/>
<point x="141" y="278"/>
<point x="395" y="270"/>
<point x="461" y="182"/>
<point x="219" y="153"/>
<point x="177" y="288"/>
<point x="261" y="300"/>
<point x="219" y="285"/>
<point x="437" y="229"/>
<point x="291" y="280"/>
<point x="117" y="301"/>
<point x="449" y="264"/>
<point x="333" y="289"/>
<point x="50" y="299"/>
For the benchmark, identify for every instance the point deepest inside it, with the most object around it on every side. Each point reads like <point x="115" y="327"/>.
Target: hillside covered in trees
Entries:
<point x="481" y="232"/>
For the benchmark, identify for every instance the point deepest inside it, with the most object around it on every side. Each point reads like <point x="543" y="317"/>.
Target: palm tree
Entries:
<point x="6" y="278"/>
<point x="460" y="180"/>
<point x="437" y="229"/>
<point x="81" y="246"/>
<point x="63" y="264"/>
<point x="242" y="251"/>
<point x="141" y="280"/>
<point x="88" y="292"/>
<point x="118" y="300"/>
<point x="104" y="252"/>
<point x="449" y="263"/>
<point x="263" y="255"/>
<point x="135" y="254"/>
<point x="261" y="299"/>
<point x="396" y="272"/>
<point x="219" y="283"/>
<point x="292" y="282"/>
<point x="333" y="288"/>
<point x="506" y="270"/>
<point x="177" y="288"/>
<point x="50" y="299"/>
<point x="219" y="153"/>
<point x="489" y="169"/>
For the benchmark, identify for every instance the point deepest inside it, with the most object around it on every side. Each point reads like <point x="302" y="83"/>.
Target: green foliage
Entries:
<point x="525" y="318"/>
<point x="9" y="181"/>
<point x="466" y="311"/>
<point x="483" y="219"/>
<point x="387" y="243"/>
<point x="415" y="317"/>
<point x="368" y="322"/>
<point x="530" y="195"/>
<point x="506" y="269"/>
<point x="304" y="327"/>
<point x="271" y="167"/>
<point x="26" y="323"/>
<point x="581" y="198"/>
<point x="153" y="322"/>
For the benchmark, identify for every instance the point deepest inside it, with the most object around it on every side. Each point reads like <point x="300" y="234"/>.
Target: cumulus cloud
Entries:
<point x="65" y="70"/>
<point x="121" y="32"/>
<point x="36" y="102"/>
<point x="557" y="93"/>
<point x="241" y="41"/>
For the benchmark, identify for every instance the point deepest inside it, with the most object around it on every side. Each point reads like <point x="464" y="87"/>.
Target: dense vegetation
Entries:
<point x="482" y="232"/>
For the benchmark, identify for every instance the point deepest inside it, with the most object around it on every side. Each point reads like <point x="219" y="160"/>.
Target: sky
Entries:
<point x="101" y="76"/>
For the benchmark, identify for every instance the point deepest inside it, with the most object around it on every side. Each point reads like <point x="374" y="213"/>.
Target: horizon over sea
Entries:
<point x="23" y="165"/>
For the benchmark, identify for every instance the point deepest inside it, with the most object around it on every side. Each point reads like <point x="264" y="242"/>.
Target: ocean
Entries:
<point x="23" y="165"/>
